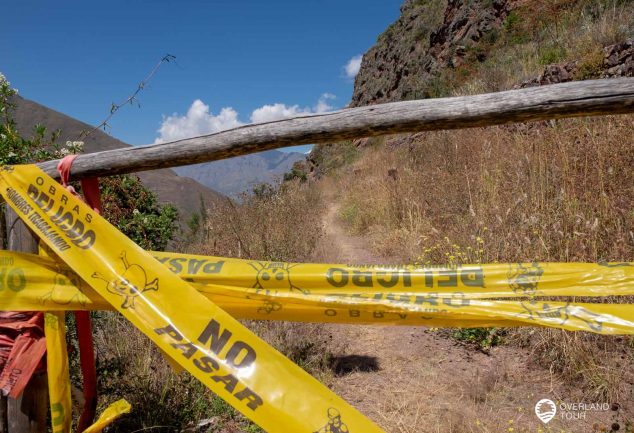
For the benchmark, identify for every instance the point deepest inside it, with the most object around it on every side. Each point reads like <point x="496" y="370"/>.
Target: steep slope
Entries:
<point x="183" y="192"/>
<point x="236" y="175"/>
<point x="428" y="36"/>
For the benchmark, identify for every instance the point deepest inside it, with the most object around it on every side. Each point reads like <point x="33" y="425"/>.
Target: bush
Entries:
<point x="277" y="224"/>
<point x="135" y="211"/>
<point x="552" y="55"/>
<point x="483" y="338"/>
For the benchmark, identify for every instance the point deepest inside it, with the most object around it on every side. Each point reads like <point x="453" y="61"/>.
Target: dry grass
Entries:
<point x="558" y="191"/>
<point x="275" y="224"/>
<point x="555" y="191"/>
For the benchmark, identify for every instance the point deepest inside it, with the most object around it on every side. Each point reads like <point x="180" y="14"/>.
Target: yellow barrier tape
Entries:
<point x="267" y="290"/>
<point x="220" y="352"/>
<point x="57" y="369"/>
<point x="109" y="415"/>
<point x="472" y="281"/>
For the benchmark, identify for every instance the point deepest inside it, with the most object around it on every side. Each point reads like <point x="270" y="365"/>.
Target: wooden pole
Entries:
<point x="579" y="98"/>
<point x="27" y="413"/>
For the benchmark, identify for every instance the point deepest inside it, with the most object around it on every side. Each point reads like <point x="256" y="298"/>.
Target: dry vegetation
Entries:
<point x="557" y="191"/>
<point x="272" y="224"/>
<point x="539" y="33"/>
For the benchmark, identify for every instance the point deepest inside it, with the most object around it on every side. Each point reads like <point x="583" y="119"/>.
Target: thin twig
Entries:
<point x="130" y="100"/>
<point x="233" y="228"/>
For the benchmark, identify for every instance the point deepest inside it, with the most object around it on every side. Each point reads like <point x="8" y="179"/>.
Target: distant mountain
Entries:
<point x="183" y="192"/>
<point x="236" y="175"/>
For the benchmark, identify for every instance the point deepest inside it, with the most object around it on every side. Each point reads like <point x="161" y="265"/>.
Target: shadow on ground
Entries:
<point x="343" y="365"/>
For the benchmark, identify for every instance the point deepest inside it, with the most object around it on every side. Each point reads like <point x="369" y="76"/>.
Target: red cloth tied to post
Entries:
<point x="89" y="185"/>
<point x="22" y="348"/>
<point x="90" y="188"/>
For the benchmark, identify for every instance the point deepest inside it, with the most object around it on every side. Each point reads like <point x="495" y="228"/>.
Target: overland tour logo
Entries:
<point x="123" y="285"/>
<point x="545" y="410"/>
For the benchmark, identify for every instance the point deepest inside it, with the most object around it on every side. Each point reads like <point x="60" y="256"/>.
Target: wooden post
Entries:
<point x="26" y="414"/>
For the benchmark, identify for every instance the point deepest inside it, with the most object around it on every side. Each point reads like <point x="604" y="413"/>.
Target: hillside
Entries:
<point x="440" y="48"/>
<point x="183" y="192"/>
<point x="428" y="37"/>
<point x="236" y="175"/>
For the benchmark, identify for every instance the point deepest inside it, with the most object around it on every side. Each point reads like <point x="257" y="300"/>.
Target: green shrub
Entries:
<point x="484" y="338"/>
<point x="135" y="211"/>
<point x="590" y="65"/>
<point x="554" y="54"/>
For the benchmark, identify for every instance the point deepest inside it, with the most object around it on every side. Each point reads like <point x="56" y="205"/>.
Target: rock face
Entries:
<point x="618" y="61"/>
<point x="428" y="36"/>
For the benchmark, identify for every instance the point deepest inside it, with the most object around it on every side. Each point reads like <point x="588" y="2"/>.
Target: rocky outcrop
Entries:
<point x="428" y="36"/>
<point x="464" y="25"/>
<point x="618" y="61"/>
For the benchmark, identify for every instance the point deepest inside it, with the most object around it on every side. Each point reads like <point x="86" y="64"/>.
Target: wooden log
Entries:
<point x="27" y="413"/>
<point x="581" y="98"/>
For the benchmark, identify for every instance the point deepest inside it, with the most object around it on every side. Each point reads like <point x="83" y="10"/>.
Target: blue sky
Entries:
<point x="236" y="61"/>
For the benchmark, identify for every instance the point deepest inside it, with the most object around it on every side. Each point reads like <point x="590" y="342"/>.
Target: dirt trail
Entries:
<point x="416" y="379"/>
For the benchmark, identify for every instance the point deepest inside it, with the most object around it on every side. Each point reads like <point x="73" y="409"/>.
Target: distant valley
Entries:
<point x="237" y="175"/>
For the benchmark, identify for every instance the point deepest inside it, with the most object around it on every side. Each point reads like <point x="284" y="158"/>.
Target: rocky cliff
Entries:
<point x="430" y="35"/>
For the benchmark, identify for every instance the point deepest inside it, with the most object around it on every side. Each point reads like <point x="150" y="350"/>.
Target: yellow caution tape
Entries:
<point x="215" y="348"/>
<point x="314" y="292"/>
<point x="57" y="369"/>
<point x="473" y="281"/>
<point x="109" y="415"/>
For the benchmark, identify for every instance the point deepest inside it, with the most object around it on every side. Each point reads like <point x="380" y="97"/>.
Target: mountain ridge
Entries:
<point x="183" y="192"/>
<point x="237" y="175"/>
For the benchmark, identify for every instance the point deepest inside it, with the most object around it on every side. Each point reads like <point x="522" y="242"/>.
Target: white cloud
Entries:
<point x="198" y="121"/>
<point x="277" y="111"/>
<point x="269" y="113"/>
<point x="353" y="66"/>
<point x="323" y="105"/>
